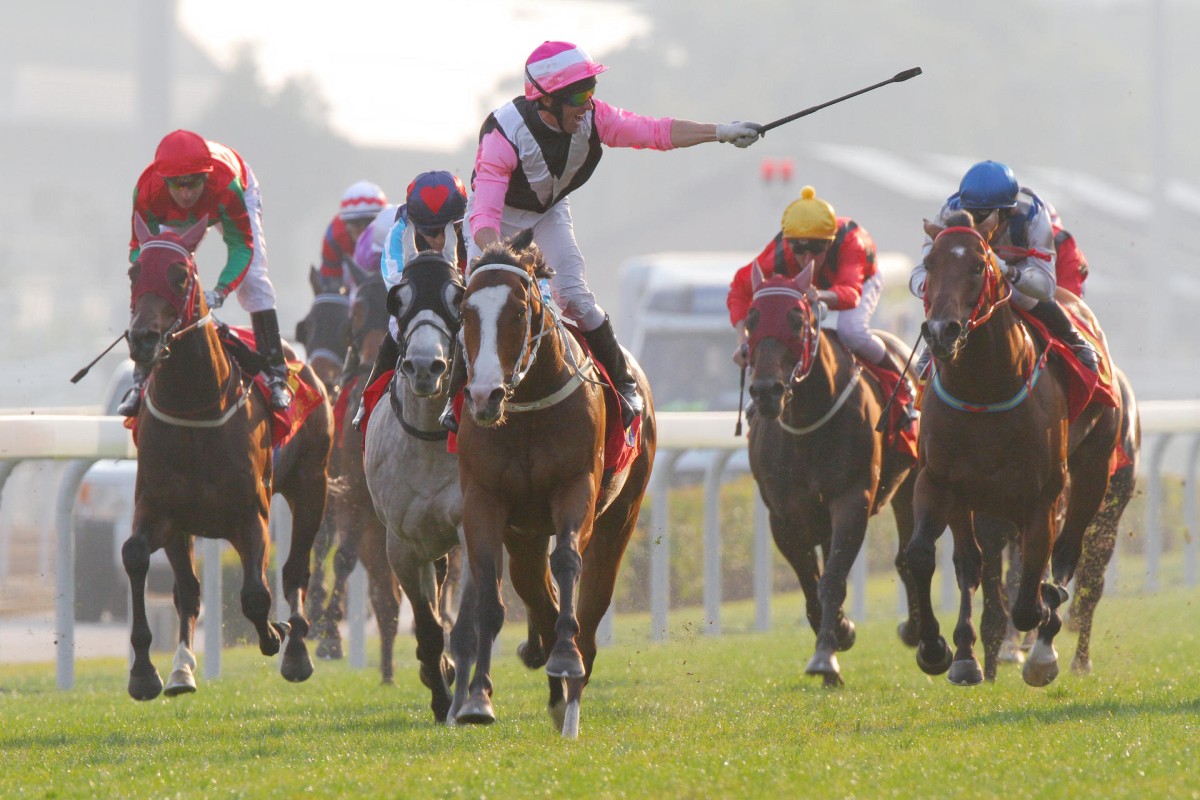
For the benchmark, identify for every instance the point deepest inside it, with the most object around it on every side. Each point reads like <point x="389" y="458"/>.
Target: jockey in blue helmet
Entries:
<point x="1024" y="241"/>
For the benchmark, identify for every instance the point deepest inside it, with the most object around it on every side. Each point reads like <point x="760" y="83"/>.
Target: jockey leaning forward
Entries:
<point x="429" y="221"/>
<point x="845" y="278"/>
<point x="538" y="148"/>
<point x="361" y="203"/>
<point x="1025" y="241"/>
<point x="192" y="178"/>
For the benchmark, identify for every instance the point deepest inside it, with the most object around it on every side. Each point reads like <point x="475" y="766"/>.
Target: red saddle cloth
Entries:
<point x="285" y="422"/>
<point x="1084" y="387"/>
<point x="370" y="398"/>
<point x="902" y="441"/>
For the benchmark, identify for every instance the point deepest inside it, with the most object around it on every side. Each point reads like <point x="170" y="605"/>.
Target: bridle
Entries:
<point x="185" y="321"/>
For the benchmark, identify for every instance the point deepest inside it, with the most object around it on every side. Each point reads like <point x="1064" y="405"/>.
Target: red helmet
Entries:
<point x="182" y="153"/>
<point x="435" y="199"/>
<point x="556" y="65"/>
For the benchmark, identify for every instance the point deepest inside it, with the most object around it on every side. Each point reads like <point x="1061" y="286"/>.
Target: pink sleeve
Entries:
<point x="494" y="163"/>
<point x="621" y="128"/>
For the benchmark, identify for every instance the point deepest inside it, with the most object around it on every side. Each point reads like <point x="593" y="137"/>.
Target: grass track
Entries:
<point x="729" y="716"/>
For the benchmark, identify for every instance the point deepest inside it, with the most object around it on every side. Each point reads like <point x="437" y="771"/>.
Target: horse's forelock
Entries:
<point x="961" y="218"/>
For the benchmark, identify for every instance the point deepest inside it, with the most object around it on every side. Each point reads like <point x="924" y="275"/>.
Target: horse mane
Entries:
<point x="517" y="251"/>
<point x="961" y="218"/>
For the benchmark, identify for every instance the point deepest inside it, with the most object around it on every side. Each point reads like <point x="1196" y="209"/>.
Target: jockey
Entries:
<point x="845" y="279"/>
<point x="1025" y="241"/>
<point x="193" y="178"/>
<point x="430" y="220"/>
<point x="537" y="149"/>
<point x="361" y="203"/>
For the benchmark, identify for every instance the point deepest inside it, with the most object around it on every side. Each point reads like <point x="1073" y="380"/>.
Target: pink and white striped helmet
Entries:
<point x="554" y="65"/>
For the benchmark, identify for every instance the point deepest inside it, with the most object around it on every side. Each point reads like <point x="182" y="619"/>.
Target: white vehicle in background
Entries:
<point x="674" y="320"/>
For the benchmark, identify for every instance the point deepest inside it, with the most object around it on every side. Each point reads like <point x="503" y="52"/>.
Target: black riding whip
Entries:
<point x="897" y="78"/>
<point x="79" y="375"/>
<point x="741" y="399"/>
<point x="881" y="425"/>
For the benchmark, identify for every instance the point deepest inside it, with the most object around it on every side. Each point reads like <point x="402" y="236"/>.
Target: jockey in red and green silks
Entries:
<point x="192" y="178"/>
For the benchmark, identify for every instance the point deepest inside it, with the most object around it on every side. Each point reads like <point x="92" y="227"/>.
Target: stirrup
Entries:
<point x="359" y="416"/>
<point x="281" y="398"/>
<point x="631" y="404"/>
<point x="447" y="418"/>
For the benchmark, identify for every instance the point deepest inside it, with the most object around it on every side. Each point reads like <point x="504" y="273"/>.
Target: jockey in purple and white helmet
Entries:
<point x="537" y="149"/>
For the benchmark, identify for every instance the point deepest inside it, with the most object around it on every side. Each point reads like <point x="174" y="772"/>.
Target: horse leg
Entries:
<point x="329" y="646"/>
<point x="187" y="605"/>
<point x="484" y="520"/>
<point x="144" y="682"/>
<point x="968" y="565"/>
<point x="384" y="592"/>
<point x="847" y="523"/>
<point x="464" y="644"/>
<point x="1012" y="651"/>
<point x="902" y="510"/>
<point x="994" y="625"/>
<point x="800" y="553"/>
<point x="345" y="558"/>
<point x="930" y="501"/>
<point x="1032" y="609"/>
<point x="308" y="509"/>
<point x="530" y="573"/>
<point x="418" y="580"/>
<point x="450" y="572"/>
<point x="1099" y="542"/>
<point x="256" y="596"/>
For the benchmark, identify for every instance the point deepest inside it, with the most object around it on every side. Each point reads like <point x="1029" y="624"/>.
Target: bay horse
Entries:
<point x="821" y="467"/>
<point x="324" y="331"/>
<point x="350" y="521"/>
<point x="206" y="465"/>
<point x="531" y="463"/>
<point x="996" y="440"/>
<point x="411" y="475"/>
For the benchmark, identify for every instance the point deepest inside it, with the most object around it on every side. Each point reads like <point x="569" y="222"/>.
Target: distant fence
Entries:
<point x="82" y="440"/>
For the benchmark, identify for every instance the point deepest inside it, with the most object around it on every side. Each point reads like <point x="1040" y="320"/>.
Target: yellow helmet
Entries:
<point x="810" y="217"/>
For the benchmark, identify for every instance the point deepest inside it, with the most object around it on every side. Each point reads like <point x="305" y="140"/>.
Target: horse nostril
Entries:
<point x="496" y="397"/>
<point x="953" y="330"/>
<point x="407" y="367"/>
<point x="437" y="367"/>
<point x="143" y="340"/>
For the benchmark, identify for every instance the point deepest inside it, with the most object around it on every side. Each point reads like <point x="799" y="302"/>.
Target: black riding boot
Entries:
<point x="603" y="343"/>
<point x="1050" y="313"/>
<point x="892" y="364"/>
<point x="385" y="359"/>
<point x="131" y="403"/>
<point x="458" y="379"/>
<point x="270" y="347"/>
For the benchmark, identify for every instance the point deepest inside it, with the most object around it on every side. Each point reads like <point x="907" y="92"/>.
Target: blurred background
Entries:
<point x="1092" y="102"/>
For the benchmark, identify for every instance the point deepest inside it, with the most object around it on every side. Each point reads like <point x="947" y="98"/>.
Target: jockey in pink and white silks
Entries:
<point x="537" y="149"/>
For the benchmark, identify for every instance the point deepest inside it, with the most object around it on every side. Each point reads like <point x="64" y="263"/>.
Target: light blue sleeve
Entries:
<point x="391" y="261"/>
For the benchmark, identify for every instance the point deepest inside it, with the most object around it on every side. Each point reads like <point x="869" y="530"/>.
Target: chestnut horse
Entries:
<point x="412" y="477"/>
<point x="350" y="519"/>
<point x="995" y="439"/>
<point x="531" y="464"/>
<point x="821" y="467"/>
<point x="206" y="466"/>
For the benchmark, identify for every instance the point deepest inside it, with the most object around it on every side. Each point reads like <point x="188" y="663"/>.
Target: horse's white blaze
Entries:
<point x="487" y="373"/>
<point x="958" y="251"/>
<point x="570" y="728"/>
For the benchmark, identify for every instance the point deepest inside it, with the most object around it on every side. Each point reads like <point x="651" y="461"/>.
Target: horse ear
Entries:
<point x="140" y="230"/>
<point x="804" y="279"/>
<point x="302" y="330"/>
<point x="932" y="229"/>
<point x="314" y="279"/>
<point x="756" y="277"/>
<point x="192" y="236"/>
<point x="521" y="241"/>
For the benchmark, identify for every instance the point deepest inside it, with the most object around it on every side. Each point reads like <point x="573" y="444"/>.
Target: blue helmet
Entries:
<point x="988" y="184"/>
<point x="436" y="199"/>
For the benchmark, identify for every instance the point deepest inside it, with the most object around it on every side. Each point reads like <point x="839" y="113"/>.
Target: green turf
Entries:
<point x="700" y="716"/>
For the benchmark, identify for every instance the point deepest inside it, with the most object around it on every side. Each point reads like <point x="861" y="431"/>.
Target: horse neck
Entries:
<point x="196" y="374"/>
<point x="993" y="363"/>
<point x="813" y="396"/>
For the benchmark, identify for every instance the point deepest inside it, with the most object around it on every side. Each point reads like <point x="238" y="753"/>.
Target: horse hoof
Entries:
<point x="531" y="654"/>
<point x="965" y="672"/>
<point x="846" y="635"/>
<point x="440" y="705"/>
<point x="181" y="681"/>
<point x="145" y="687"/>
<point x="296" y="669"/>
<point x="1011" y="653"/>
<point x="570" y="726"/>
<point x="1041" y="668"/>
<point x="1081" y="666"/>
<point x="939" y="662"/>
<point x="329" y="649"/>
<point x="565" y="661"/>
<point x="825" y="665"/>
<point x="909" y="633"/>
<point x="558" y="713"/>
<point x="477" y="711"/>
<point x="1053" y="594"/>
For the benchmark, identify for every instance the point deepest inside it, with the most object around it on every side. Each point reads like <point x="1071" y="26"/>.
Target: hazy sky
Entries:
<point x="413" y="64"/>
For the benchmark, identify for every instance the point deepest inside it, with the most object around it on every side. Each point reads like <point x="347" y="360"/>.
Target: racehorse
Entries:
<point x="350" y="520"/>
<point x="531" y="462"/>
<point x="206" y="465"/>
<point x="324" y="331"/>
<point x="413" y="479"/>
<point x="995" y="439"/>
<point x="821" y="467"/>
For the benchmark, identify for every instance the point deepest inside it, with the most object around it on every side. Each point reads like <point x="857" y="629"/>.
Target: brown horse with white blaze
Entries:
<point x="531" y="459"/>
<point x="206" y="465"/>
<point x="995" y="439"/>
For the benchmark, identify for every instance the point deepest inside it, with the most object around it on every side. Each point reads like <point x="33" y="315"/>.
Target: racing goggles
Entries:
<point x="184" y="181"/>
<point x="577" y="99"/>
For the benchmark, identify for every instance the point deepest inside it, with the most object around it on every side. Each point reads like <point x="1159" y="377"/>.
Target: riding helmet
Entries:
<point x="988" y="184"/>
<point x="557" y="65"/>
<point x="182" y="153"/>
<point x="436" y="199"/>
<point x="362" y="201"/>
<point x="809" y="217"/>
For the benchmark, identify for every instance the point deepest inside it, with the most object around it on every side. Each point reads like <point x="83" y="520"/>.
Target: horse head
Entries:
<point x="963" y="283"/>
<point x="368" y="316"/>
<point x="425" y="304"/>
<point x="784" y="335"/>
<point x="165" y="296"/>
<point x="325" y="330"/>
<point x="503" y="322"/>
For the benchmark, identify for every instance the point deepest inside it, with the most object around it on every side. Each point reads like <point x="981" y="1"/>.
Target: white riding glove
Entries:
<point x="215" y="298"/>
<point x="739" y="134"/>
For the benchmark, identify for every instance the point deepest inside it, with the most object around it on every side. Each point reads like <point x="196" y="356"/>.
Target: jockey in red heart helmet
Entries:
<point x="192" y="178"/>
<point x="361" y="202"/>
<point x="430" y="219"/>
<point x="537" y="149"/>
<point x="1025" y="240"/>
<point x="845" y="279"/>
